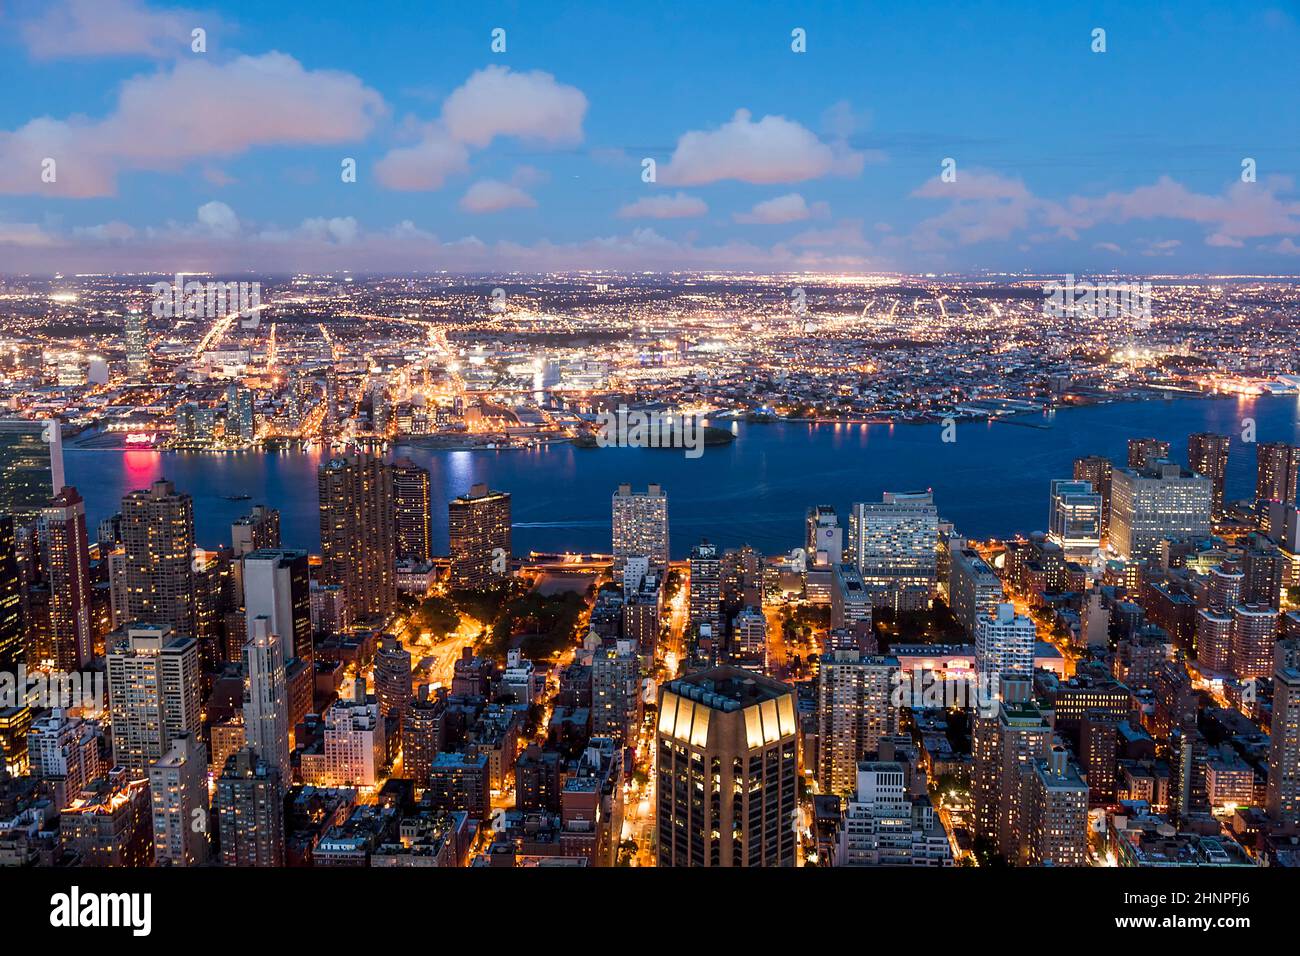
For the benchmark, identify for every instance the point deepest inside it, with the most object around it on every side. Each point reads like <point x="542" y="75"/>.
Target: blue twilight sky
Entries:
<point x="530" y="159"/>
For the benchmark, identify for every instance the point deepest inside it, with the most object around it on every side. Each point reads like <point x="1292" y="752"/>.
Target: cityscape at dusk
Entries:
<point x="748" y="439"/>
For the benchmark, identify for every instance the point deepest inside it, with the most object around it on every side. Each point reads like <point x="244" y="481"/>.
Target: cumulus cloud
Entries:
<point x="984" y="205"/>
<point x="493" y="102"/>
<point x="218" y="219"/>
<point x="196" y="109"/>
<point x="492" y="195"/>
<point x="75" y="28"/>
<point x="791" y="207"/>
<point x="772" y="150"/>
<point x="676" y="206"/>
<point x="425" y="165"/>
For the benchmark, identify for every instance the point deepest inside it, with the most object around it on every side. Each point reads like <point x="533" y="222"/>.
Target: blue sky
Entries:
<point x="827" y="160"/>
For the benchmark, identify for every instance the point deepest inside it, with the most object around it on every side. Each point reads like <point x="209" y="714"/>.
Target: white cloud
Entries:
<point x="771" y="150"/>
<point x="491" y="195"/>
<point x="495" y="101"/>
<point x="677" y="206"/>
<point x="195" y="109"/>
<point x="73" y="28"/>
<point x="791" y="207"/>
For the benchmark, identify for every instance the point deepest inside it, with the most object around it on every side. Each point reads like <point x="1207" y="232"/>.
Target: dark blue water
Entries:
<point x="992" y="481"/>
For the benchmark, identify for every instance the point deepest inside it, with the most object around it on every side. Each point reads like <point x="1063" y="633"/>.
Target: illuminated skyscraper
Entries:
<point x="1004" y="642"/>
<point x="158" y="535"/>
<point x="1074" y="521"/>
<point x="1144" y="452"/>
<point x="1163" y="503"/>
<point x="137" y="346"/>
<point x="1056" y="821"/>
<point x="1283" y="792"/>
<point x="356" y="530"/>
<point x="727" y="770"/>
<point x="153" y="692"/>
<point x="704" y="600"/>
<point x="1096" y="471"/>
<point x="258" y="529"/>
<point x="479" y="531"/>
<point x="1254" y="630"/>
<point x="640" y="525"/>
<point x="178" y="789"/>
<point x="1277" y="465"/>
<point x="68" y="566"/>
<point x="31" y="466"/>
<point x="240" y="420"/>
<point x="1207" y="454"/>
<point x="250" y="811"/>
<point x="277" y="586"/>
<point x="11" y="598"/>
<point x="392" y="677"/>
<point x="855" y="708"/>
<point x="412" y="511"/>
<point x="266" y="695"/>
<point x="894" y="541"/>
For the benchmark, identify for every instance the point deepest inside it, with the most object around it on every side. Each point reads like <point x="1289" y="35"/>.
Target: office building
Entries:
<point x="1096" y="471"/>
<point x="178" y="791"/>
<point x="277" y="586"/>
<point x="392" y="677"/>
<point x="894" y="542"/>
<point x="1214" y="639"/>
<point x="154" y="678"/>
<point x="823" y="537"/>
<point x="31" y="466"/>
<point x="856" y="707"/>
<point x="1074" y="519"/>
<point x="730" y="734"/>
<point x="11" y="598"/>
<point x="1162" y="504"/>
<point x="108" y="823"/>
<point x="255" y="531"/>
<point x="356" y="530"/>
<point x="1207" y="454"/>
<point x="158" y="537"/>
<point x="266" y="695"/>
<point x="412" y="511"/>
<point x="479" y="531"/>
<point x="640" y="522"/>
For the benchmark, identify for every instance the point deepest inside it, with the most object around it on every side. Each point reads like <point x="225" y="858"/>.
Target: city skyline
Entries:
<point x="742" y="435"/>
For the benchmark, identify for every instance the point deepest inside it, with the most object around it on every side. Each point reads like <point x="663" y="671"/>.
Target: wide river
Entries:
<point x="993" y="480"/>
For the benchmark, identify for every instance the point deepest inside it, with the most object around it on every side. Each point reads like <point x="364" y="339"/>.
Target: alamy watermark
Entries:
<point x="1101" y="300"/>
<point x="208" y="300"/>
<point x="637" y="428"/>
<point x="926" y="689"/>
<point x="82" y="690"/>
